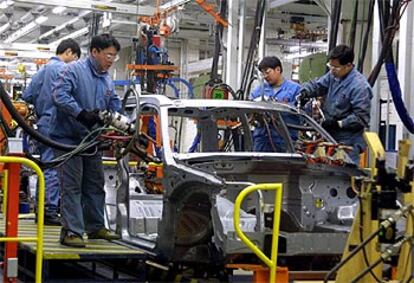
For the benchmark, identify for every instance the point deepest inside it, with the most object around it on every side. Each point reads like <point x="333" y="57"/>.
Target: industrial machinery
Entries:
<point x="179" y="203"/>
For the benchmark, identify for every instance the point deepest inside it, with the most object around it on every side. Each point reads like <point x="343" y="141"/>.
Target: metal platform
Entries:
<point x="100" y="261"/>
<point x="95" y="249"/>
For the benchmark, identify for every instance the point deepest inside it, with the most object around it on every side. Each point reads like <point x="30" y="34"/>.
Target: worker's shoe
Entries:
<point x="51" y="219"/>
<point x="105" y="234"/>
<point x="72" y="240"/>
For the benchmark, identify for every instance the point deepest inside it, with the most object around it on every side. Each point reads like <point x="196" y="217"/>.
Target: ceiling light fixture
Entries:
<point x="60" y="27"/>
<point x="4" y="27"/>
<point x="40" y="20"/>
<point x="73" y="35"/>
<point x="6" y="3"/>
<point x="26" y="29"/>
<point x="58" y="10"/>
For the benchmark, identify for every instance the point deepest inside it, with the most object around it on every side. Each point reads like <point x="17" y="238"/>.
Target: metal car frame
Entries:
<point x="189" y="221"/>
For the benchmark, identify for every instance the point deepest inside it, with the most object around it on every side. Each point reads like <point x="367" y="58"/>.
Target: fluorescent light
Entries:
<point x="72" y="35"/>
<point x="58" y="10"/>
<point x="40" y="20"/>
<point x="26" y="29"/>
<point x="6" y="3"/>
<point x="62" y="26"/>
<point x="4" y="27"/>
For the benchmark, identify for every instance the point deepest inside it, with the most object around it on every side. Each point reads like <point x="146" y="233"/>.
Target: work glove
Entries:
<point x="330" y="124"/>
<point x="303" y="97"/>
<point x="89" y="118"/>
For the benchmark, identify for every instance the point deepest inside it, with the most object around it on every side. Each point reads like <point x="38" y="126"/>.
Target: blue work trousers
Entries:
<point x="83" y="196"/>
<point x="52" y="188"/>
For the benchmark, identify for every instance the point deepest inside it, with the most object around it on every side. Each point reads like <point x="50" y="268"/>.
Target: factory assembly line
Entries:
<point x="173" y="197"/>
<point x="183" y="177"/>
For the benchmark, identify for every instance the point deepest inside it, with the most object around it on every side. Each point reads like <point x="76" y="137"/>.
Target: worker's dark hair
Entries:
<point x="270" y="62"/>
<point x="68" y="44"/>
<point x="104" y="41"/>
<point x="343" y="53"/>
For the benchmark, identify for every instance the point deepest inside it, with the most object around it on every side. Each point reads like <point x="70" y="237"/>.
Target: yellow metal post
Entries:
<point x="355" y="265"/>
<point x="272" y="262"/>
<point x="40" y="213"/>
<point x="405" y="260"/>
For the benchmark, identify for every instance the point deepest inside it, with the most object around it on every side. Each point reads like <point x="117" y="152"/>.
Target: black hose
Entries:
<point x="254" y="42"/>
<point x="335" y="17"/>
<point x="365" y="272"/>
<point x="28" y="129"/>
<point x="217" y="43"/>
<point x="125" y="100"/>
<point x="361" y="238"/>
<point x="354" y="22"/>
<point x="391" y="29"/>
<point x="249" y="85"/>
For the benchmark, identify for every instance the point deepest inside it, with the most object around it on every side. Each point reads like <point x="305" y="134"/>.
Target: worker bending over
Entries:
<point x="82" y="90"/>
<point x="347" y="100"/>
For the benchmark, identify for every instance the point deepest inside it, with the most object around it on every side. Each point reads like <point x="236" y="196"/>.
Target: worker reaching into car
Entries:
<point x="82" y="90"/>
<point x="266" y="138"/>
<point x="38" y="93"/>
<point x="347" y="100"/>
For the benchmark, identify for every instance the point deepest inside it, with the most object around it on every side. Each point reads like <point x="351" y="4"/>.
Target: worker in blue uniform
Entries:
<point x="82" y="90"/>
<point x="276" y="88"/>
<point x="38" y="93"/>
<point x="347" y="96"/>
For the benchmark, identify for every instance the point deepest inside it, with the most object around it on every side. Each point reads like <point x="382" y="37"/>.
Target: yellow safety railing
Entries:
<point x="40" y="213"/>
<point x="272" y="262"/>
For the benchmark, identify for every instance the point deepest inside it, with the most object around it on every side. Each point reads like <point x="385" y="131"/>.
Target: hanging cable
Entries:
<point x="335" y="18"/>
<point x="217" y="43"/>
<point x="386" y="55"/>
<point x="393" y="24"/>
<point x="354" y="22"/>
<point x="252" y="52"/>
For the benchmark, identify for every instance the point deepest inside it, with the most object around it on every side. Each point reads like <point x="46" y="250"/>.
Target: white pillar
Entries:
<point x="376" y="48"/>
<point x="240" y="56"/>
<point x="405" y="68"/>
<point x="262" y="42"/>
<point x="183" y="63"/>
<point x="232" y="33"/>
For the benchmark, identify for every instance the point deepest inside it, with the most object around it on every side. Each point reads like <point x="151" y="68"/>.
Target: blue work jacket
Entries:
<point x="39" y="92"/>
<point x="347" y="100"/>
<point x="80" y="86"/>
<point x="285" y="94"/>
